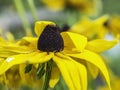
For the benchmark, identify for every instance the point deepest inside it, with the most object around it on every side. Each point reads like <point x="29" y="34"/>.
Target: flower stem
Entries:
<point x="33" y="9"/>
<point x="21" y="12"/>
<point x="28" y="68"/>
<point x="98" y="7"/>
<point x="40" y="70"/>
<point x="47" y="75"/>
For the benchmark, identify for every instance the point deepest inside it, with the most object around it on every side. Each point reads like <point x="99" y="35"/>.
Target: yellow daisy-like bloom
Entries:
<point x="91" y="28"/>
<point x="8" y="36"/>
<point x="54" y="4"/>
<point x="53" y="53"/>
<point x="114" y="25"/>
<point x="87" y="6"/>
<point x="115" y="84"/>
<point x="98" y="28"/>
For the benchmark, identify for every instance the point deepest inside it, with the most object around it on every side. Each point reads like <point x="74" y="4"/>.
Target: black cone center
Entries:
<point x="50" y="40"/>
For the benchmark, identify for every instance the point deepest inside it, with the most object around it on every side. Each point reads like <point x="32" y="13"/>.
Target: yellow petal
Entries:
<point x="9" y="36"/>
<point x="91" y="28"/>
<point x="22" y="73"/>
<point x="6" y="54"/>
<point x="29" y="78"/>
<point x="101" y="20"/>
<point x="7" y="50"/>
<point x="40" y="26"/>
<point x="98" y="28"/>
<point x="12" y="77"/>
<point x="100" y="45"/>
<point x="28" y="40"/>
<point x="54" y="5"/>
<point x="94" y="71"/>
<point x="1" y="60"/>
<point x="24" y="58"/>
<point x="55" y="75"/>
<point x="73" y="72"/>
<point x="81" y="25"/>
<point x="95" y="59"/>
<point x="73" y="40"/>
<point x="14" y="48"/>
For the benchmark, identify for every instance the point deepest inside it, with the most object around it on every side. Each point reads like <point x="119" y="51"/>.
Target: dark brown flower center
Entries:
<point x="50" y="40"/>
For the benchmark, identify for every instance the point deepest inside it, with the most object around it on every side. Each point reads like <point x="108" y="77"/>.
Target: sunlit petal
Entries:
<point x="73" y="40"/>
<point x="100" y="45"/>
<point x="24" y="58"/>
<point x="1" y="60"/>
<point x="29" y="78"/>
<point x="28" y="41"/>
<point x="73" y="72"/>
<point x="40" y="26"/>
<point x="54" y="5"/>
<point x="55" y="75"/>
<point x="94" y="71"/>
<point x="14" y="48"/>
<point x="96" y="60"/>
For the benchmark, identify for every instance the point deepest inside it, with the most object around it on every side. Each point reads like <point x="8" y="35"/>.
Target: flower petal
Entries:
<point x="14" y="48"/>
<point x="12" y="77"/>
<point x="28" y="41"/>
<point x="1" y="60"/>
<point x="74" y="40"/>
<point x="73" y="72"/>
<point x="94" y="71"/>
<point x="10" y="36"/>
<point x="95" y="59"/>
<point x="24" y="58"/>
<point x="53" y="5"/>
<point x="100" y="45"/>
<point x="40" y="26"/>
<point x="29" y="78"/>
<point x="91" y="28"/>
<point x="55" y="76"/>
<point x="81" y="25"/>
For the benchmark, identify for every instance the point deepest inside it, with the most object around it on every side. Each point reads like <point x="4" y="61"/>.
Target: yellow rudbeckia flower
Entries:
<point x="114" y="25"/>
<point x="92" y="29"/>
<point x="115" y="84"/>
<point x="53" y="53"/>
<point x="6" y="36"/>
<point x="98" y="28"/>
<point x="87" y="6"/>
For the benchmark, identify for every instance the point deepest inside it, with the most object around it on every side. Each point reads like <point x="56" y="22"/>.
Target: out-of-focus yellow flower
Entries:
<point x="1" y="78"/>
<point x="114" y="25"/>
<point x="66" y="53"/>
<point x="115" y="84"/>
<point x="87" y="6"/>
<point x="98" y="28"/>
<point x="83" y="5"/>
<point x="55" y="4"/>
<point x="12" y="77"/>
<point x="6" y="36"/>
<point x="91" y="28"/>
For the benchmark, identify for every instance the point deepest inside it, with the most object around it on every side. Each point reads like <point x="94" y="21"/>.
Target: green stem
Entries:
<point x="98" y="7"/>
<point x="22" y="14"/>
<point x="28" y="68"/>
<point x="40" y="70"/>
<point x="47" y="75"/>
<point x="33" y="9"/>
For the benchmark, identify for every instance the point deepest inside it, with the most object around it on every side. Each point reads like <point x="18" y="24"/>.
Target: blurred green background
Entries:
<point x="10" y="20"/>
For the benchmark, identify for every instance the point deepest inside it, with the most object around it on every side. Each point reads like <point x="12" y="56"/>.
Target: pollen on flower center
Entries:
<point x="50" y="40"/>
